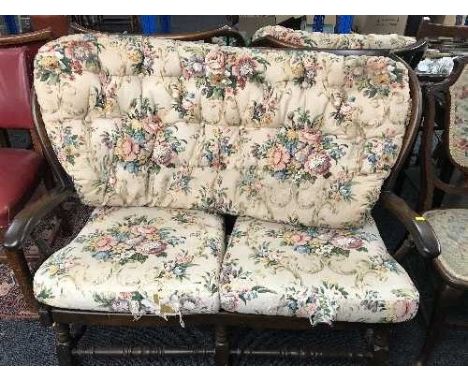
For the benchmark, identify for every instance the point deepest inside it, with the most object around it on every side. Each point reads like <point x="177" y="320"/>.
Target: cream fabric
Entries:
<point x="451" y="228"/>
<point x="324" y="274"/>
<point x="458" y="130"/>
<point x="289" y="136"/>
<point x="334" y="41"/>
<point x="137" y="260"/>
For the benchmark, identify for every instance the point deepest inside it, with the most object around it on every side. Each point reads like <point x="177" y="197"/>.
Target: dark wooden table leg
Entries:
<point x="446" y="297"/>
<point x="221" y="346"/>
<point x="64" y="344"/>
<point x="380" y="346"/>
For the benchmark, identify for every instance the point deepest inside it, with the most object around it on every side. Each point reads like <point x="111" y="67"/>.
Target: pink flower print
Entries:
<point x="104" y="243"/>
<point x="144" y="230"/>
<point x="78" y="50"/>
<point x="152" y="124"/>
<point x="376" y="64"/>
<point x="310" y="64"/>
<point x="347" y="242"/>
<point x="464" y="92"/>
<point x="215" y="62"/>
<point x="184" y="259"/>
<point x="128" y="149"/>
<point x="286" y="34"/>
<point x="308" y="310"/>
<point x="278" y="158"/>
<point x="76" y="66"/>
<point x="243" y="68"/>
<point x="405" y="309"/>
<point x="462" y="144"/>
<point x="346" y="109"/>
<point x="300" y="238"/>
<point x="229" y="92"/>
<point x="312" y="137"/>
<point x="187" y="104"/>
<point x="317" y="164"/>
<point x="294" y="39"/>
<point x="230" y="301"/>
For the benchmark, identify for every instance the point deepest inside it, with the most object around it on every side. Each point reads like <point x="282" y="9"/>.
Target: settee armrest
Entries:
<point x="19" y="230"/>
<point x="24" y="223"/>
<point x="422" y="234"/>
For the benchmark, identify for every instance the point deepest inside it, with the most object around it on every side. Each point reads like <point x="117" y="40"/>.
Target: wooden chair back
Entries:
<point x="453" y="146"/>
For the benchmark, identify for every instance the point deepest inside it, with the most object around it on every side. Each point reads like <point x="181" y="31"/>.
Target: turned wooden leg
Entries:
<point x="221" y="346"/>
<point x="63" y="344"/>
<point x="446" y="297"/>
<point x="378" y="345"/>
<point x="18" y="264"/>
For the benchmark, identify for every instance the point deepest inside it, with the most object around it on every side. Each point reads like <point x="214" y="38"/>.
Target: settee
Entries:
<point x="168" y="140"/>
<point x="406" y="47"/>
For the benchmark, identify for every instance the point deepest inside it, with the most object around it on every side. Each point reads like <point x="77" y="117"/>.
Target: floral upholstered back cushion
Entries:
<point x="458" y="132"/>
<point x="287" y="136"/>
<point x="334" y="41"/>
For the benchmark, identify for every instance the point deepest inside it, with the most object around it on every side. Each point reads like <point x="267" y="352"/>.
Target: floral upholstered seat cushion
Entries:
<point x="334" y="41"/>
<point x="451" y="228"/>
<point x="324" y="274"/>
<point x="137" y="260"/>
<point x="281" y="135"/>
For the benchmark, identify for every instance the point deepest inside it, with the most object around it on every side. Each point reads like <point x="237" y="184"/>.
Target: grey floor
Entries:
<point x="28" y="343"/>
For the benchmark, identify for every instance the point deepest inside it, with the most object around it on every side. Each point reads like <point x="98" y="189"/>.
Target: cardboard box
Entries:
<point x="249" y="24"/>
<point x="282" y="18"/>
<point x="380" y="24"/>
<point x="446" y="20"/>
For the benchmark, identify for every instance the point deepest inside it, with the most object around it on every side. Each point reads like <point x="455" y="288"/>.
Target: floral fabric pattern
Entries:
<point x="288" y="136"/>
<point x="334" y="41"/>
<point x="451" y="228"/>
<point x="322" y="274"/>
<point x="137" y="260"/>
<point x="458" y="130"/>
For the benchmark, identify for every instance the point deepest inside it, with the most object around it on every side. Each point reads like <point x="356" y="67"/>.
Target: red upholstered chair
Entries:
<point x="21" y="170"/>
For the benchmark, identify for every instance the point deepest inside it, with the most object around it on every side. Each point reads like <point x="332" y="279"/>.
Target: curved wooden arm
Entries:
<point x="42" y="35"/>
<point x="412" y="54"/>
<point x="224" y="31"/>
<point x="28" y="219"/>
<point x="19" y="230"/>
<point x="418" y="227"/>
<point x="272" y="42"/>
